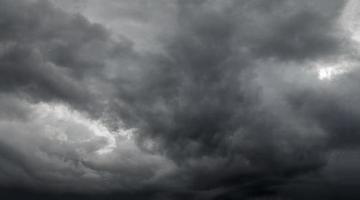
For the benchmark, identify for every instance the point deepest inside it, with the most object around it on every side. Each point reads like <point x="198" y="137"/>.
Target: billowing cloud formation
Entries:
<point x="240" y="99"/>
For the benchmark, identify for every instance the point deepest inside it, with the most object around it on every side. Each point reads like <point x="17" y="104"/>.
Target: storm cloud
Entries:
<point x="167" y="99"/>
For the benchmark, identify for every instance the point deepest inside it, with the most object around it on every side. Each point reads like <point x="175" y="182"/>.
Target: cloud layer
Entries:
<point x="200" y="99"/>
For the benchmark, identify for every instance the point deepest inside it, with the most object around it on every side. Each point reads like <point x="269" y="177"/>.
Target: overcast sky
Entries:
<point x="180" y="99"/>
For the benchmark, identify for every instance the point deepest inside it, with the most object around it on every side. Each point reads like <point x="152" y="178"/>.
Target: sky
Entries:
<point x="179" y="99"/>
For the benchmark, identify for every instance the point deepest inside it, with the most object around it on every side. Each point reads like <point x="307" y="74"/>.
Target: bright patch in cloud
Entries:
<point x="328" y="73"/>
<point x="330" y="70"/>
<point x="64" y="124"/>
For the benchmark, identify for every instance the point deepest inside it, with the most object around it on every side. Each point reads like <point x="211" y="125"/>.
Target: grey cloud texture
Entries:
<point x="228" y="104"/>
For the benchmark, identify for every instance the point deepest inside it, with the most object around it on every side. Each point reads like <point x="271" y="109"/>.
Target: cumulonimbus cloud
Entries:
<point x="229" y="99"/>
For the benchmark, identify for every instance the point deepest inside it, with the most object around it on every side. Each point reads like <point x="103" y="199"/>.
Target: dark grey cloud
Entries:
<point x="51" y="55"/>
<point x="294" y="30"/>
<point x="230" y="107"/>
